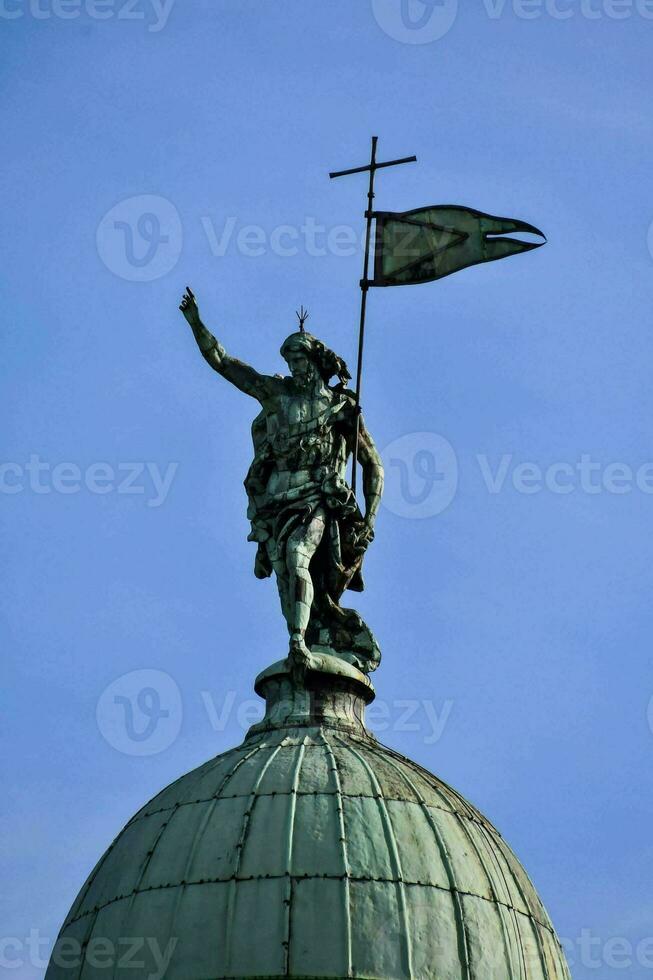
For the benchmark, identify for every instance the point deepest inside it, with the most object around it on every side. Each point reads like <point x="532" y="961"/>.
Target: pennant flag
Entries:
<point x="430" y="243"/>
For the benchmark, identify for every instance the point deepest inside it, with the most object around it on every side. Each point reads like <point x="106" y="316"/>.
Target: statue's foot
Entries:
<point x="299" y="654"/>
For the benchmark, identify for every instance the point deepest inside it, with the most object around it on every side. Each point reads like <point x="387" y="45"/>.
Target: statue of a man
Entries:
<point x="303" y="514"/>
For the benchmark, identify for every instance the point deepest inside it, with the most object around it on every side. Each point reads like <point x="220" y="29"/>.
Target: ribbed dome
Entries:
<point x="312" y="851"/>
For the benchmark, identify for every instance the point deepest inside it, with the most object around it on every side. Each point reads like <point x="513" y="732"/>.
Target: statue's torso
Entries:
<point x="304" y="432"/>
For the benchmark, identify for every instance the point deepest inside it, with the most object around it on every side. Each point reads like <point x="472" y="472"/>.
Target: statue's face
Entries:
<point x="301" y="367"/>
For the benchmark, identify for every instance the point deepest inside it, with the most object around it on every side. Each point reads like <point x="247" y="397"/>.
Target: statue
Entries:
<point x="304" y="516"/>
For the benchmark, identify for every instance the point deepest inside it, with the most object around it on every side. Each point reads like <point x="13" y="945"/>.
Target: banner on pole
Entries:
<point x="433" y="242"/>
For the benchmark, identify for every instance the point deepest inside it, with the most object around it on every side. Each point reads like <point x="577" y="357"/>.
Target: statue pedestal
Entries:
<point x="329" y="691"/>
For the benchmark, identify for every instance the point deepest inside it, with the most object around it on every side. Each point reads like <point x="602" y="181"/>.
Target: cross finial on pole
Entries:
<point x="370" y="168"/>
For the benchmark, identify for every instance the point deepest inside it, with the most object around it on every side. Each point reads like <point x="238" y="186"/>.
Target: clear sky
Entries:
<point x="147" y="146"/>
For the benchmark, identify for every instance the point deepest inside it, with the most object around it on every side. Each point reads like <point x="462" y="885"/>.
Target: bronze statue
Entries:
<point x="304" y="516"/>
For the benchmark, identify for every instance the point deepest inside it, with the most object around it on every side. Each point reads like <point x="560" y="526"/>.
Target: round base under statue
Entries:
<point x="310" y="851"/>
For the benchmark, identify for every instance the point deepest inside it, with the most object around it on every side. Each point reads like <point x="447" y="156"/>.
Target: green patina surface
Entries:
<point x="313" y="851"/>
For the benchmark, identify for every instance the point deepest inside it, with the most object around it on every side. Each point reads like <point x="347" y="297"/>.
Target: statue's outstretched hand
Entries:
<point x="189" y="307"/>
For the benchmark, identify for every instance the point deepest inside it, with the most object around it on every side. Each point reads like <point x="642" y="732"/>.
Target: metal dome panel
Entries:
<point x="313" y="852"/>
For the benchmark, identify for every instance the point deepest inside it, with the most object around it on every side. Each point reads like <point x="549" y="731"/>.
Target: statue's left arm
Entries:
<point x="368" y="457"/>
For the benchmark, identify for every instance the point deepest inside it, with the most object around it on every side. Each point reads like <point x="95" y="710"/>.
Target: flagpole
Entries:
<point x="475" y="230"/>
<point x="372" y="167"/>
<point x="361" y="328"/>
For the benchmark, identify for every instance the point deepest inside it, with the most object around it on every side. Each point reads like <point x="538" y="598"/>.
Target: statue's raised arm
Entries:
<point x="241" y="375"/>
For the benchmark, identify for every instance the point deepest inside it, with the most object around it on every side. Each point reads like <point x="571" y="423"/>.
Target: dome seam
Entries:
<point x="488" y="830"/>
<point x="391" y="839"/>
<point x="204" y="769"/>
<point x="240" y="846"/>
<point x="205" y="822"/>
<point x="143" y="871"/>
<point x="448" y="866"/>
<point x="500" y="906"/>
<point x="304" y="877"/>
<point x="345" y="856"/>
<point x="352" y="796"/>
<point x="290" y="843"/>
<point x="469" y="811"/>
<point x="521" y="892"/>
<point x="469" y="814"/>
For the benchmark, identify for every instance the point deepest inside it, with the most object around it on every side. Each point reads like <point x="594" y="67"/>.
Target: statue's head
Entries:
<point x="307" y="358"/>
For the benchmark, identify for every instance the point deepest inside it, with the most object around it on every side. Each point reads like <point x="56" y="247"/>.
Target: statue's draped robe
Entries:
<point x="320" y="447"/>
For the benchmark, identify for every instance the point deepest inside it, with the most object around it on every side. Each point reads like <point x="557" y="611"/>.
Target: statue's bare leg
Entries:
<point x="281" y="573"/>
<point x="300" y="548"/>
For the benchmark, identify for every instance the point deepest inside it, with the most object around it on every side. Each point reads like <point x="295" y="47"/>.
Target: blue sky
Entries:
<point x="152" y="145"/>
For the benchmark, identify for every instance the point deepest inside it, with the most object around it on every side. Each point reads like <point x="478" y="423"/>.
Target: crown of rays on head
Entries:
<point x="302" y="315"/>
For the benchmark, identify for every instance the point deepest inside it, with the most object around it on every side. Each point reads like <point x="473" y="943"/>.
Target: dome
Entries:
<point x="309" y="851"/>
